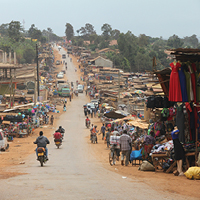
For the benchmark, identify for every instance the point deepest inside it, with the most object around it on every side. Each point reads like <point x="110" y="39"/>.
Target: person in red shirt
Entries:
<point x="87" y="120"/>
<point x="57" y="136"/>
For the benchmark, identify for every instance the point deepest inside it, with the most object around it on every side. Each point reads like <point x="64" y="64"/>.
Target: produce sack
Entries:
<point x="193" y="173"/>
<point x="146" y="166"/>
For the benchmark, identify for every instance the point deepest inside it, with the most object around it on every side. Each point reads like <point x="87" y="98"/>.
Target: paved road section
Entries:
<point x="73" y="172"/>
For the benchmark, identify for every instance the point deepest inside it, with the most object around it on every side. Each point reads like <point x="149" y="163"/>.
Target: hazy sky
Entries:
<point x="154" y="18"/>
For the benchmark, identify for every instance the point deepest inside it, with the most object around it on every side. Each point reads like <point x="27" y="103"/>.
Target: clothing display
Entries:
<point x="174" y="84"/>
<point x="183" y="84"/>
<point x="180" y="118"/>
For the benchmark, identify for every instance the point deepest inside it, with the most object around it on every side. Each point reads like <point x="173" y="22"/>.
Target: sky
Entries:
<point x="153" y="18"/>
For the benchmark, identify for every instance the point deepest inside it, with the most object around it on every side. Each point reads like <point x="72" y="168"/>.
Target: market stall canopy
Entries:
<point x="116" y="114"/>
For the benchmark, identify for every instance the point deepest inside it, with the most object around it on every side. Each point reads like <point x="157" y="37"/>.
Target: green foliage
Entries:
<point x="15" y="31"/>
<point x="174" y="42"/>
<point x="69" y="31"/>
<point x="29" y="54"/>
<point x="107" y="31"/>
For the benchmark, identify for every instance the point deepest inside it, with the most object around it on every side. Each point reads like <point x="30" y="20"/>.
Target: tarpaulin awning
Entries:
<point x="116" y="114"/>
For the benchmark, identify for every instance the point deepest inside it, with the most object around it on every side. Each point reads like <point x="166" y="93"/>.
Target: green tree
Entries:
<point x="115" y="34"/>
<point x="29" y="55"/>
<point x="174" y="42"/>
<point x="142" y="62"/>
<point x="15" y="31"/>
<point x="107" y="31"/>
<point x="4" y="29"/>
<point x="34" y="33"/>
<point x="143" y="40"/>
<point x="69" y="31"/>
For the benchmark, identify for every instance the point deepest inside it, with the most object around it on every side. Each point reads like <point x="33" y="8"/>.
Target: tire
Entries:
<point x="58" y="146"/>
<point x="41" y="161"/>
<point x="110" y="159"/>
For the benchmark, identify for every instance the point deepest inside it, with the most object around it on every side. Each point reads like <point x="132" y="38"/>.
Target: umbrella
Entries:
<point x="127" y="94"/>
<point x="138" y="92"/>
<point x="104" y="104"/>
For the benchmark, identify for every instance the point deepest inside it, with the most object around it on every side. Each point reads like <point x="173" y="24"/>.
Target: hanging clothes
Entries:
<point x="174" y="84"/>
<point x="183" y="84"/>
<point x="180" y="122"/>
<point x="193" y="80"/>
<point x="196" y="82"/>
<point x="188" y="83"/>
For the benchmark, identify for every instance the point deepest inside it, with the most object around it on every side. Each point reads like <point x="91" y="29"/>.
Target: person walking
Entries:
<point x="103" y="129"/>
<point x="125" y="142"/>
<point x="52" y="118"/>
<point x="108" y="138"/>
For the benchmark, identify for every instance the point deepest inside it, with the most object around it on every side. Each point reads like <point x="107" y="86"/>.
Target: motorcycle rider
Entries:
<point x="57" y="136"/>
<point x="61" y="130"/>
<point x="42" y="141"/>
<point x="87" y="120"/>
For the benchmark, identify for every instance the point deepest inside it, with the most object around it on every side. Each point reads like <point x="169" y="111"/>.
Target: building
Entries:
<point x="100" y="61"/>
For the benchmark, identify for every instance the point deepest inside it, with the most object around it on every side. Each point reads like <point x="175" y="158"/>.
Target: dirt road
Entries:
<point x="73" y="171"/>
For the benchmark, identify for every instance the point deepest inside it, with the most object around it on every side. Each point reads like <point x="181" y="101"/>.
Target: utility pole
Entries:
<point x="10" y="90"/>
<point x="119" y="86"/>
<point x="38" y="79"/>
<point x="35" y="90"/>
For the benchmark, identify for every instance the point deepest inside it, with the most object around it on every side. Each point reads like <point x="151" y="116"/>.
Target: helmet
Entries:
<point x="60" y="126"/>
<point x="95" y="126"/>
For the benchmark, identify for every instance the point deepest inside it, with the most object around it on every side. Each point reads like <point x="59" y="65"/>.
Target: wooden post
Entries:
<point x="10" y="90"/>
<point x="196" y="147"/>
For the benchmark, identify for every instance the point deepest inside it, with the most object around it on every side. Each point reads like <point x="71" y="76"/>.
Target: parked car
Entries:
<point x="3" y="141"/>
<point x="95" y="102"/>
<point x="60" y="75"/>
<point x="57" y="62"/>
<point x="90" y="105"/>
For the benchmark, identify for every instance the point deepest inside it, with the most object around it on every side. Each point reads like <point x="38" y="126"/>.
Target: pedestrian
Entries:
<point x="103" y="129"/>
<point x="108" y="138"/>
<point x="65" y="100"/>
<point x="52" y="119"/>
<point x="70" y="98"/>
<point x="86" y="92"/>
<point x="125" y="142"/>
<point x="91" y="112"/>
<point x="85" y="111"/>
<point x="95" y="111"/>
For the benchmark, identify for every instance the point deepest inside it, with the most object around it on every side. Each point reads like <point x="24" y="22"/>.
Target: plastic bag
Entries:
<point x="193" y="173"/>
<point x="146" y="166"/>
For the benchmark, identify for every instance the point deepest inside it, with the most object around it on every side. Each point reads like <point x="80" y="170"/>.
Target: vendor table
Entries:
<point x="188" y="155"/>
<point x="158" y="159"/>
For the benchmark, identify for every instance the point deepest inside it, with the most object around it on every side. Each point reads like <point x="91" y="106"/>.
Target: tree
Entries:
<point x="4" y="29"/>
<point x="115" y="34"/>
<point x="191" y="41"/>
<point x="34" y="33"/>
<point x="86" y="31"/>
<point x="14" y="31"/>
<point x="143" y="40"/>
<point x="29" y="55"/>
<point x="142" y="62"/>
<point x="69" y="31"/>
<point x="174" y="42"/>
<point x="107" y="31"/>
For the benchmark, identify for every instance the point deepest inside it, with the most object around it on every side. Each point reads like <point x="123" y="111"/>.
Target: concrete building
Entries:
<point x="100" y="61"/>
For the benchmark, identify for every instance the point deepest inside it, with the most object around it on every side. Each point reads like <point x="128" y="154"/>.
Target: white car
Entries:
<point x="90" y="105"/>
<point x="60" y="75"/>
<point x="95" y="102"/>
<point x="3" y="141"/>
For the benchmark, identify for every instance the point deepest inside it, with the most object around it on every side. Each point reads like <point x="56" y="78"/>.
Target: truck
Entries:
<point x="63" y="90"/>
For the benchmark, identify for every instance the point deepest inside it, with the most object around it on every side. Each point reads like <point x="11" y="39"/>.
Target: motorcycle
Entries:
<point x="42" y="158"/>
<point x="93" y="139"/>
<point x="58" y="142"/>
